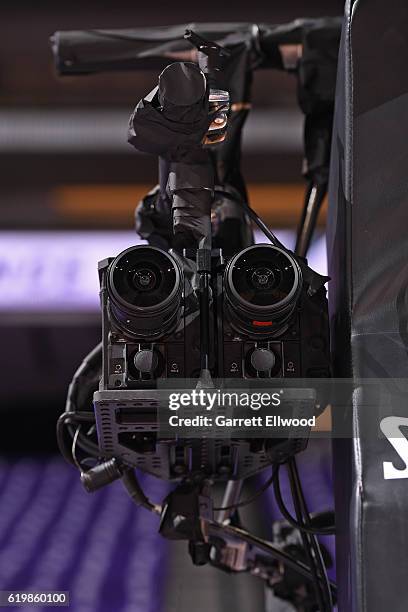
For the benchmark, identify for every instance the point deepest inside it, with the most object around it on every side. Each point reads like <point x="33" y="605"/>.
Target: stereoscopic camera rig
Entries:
<point x="201" y="301"/>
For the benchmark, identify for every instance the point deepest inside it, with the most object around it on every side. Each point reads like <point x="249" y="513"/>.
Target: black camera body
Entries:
<point x="189" y="313"/>
<point x="266" y="325"/>
<point x="165" y="342"/>
<point x="289" y="341"/>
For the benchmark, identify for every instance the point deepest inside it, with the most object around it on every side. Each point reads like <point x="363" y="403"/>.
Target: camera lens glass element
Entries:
<point x="144" y="284"/>
<point x="263" y="276"/>
<point x="262" y="284"/>
<point x="144" y="277"/>
<point x="145" y="280"/>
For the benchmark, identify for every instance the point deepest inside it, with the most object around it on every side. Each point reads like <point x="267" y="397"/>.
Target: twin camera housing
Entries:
<point x="265" y="323"/>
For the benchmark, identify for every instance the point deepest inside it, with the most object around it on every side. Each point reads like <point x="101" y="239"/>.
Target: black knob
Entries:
<point x="263" y="360"/>
<point x="146" y="361"/>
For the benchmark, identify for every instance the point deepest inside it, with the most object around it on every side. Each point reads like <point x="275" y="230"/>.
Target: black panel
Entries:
<point x="368" y="254"/>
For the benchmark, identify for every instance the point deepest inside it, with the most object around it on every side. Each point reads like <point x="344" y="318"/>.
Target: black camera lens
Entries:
<point x="144" y="287"/>
<point x="143" y="277"/>
<point x="262" y="286"/>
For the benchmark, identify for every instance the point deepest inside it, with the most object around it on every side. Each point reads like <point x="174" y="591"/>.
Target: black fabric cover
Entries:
<point x="88" y="51"/>
<point x="368" y="264"/>
<point x="172" y="120"/>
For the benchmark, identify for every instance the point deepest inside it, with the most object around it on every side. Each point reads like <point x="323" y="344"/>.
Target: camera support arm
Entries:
<point x="238" y="550"/>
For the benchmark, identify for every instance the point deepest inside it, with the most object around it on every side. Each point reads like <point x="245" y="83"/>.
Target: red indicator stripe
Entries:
<point x="262" y="323"/>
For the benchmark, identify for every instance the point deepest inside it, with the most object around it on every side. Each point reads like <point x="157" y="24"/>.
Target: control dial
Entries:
<point x="146" y="361"/>
<point x="263" y="360"/>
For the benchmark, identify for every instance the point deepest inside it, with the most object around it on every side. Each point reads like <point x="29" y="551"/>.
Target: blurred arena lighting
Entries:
<point x="98" y="205"/>
<point x="105" y="131"/>
<point x="57" y="271"/>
